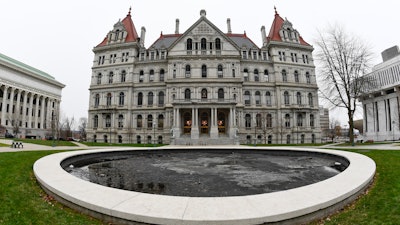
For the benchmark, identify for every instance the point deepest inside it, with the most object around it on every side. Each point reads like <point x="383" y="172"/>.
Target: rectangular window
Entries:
<point x="265" y="56"/>
<point x="255" y="55"/>
<point x="244" y="55"/>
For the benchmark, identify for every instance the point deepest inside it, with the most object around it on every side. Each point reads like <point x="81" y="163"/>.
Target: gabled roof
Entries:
<point x="276" y="27"/>
<point x="237" y="40"/>
<point x="132" y="35"/>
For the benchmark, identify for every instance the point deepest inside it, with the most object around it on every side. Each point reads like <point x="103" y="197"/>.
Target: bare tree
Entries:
<point x="342" y="59"/>
<point x="82" y="127"/>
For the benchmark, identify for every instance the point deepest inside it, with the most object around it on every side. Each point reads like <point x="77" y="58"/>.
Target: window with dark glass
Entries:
<point x="219" y="71"/>
<point x="247" y="98"/>
<point x="203" y="44"/>
<point x="187" y="94"/>
<point x="286" y="98"/>
<point x="108" y="100"/>
<point x="189" y="45"/>
<point x="140" y="99"/>
<point x="162" y="74"/>
<point x="150" y="98"/>
<point x="161" y="98"/>
<point x="121" y="98"/>
<point x="221" y="94"/>
<point x="139" y="121"/>
<point x="247" y="120"/>
<point x="149" y="121"/>
<point x="123" y="76"/>
<point x="218" y="44"/>
<point x="203" y="71"/>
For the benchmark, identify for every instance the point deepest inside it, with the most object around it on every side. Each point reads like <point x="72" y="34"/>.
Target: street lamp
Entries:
<point x="154" y="133"/>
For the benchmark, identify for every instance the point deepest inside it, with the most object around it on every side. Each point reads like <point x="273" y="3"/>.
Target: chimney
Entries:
<point x="228" y="21"/>
<point x="142" y="36"/>
<point x="263" y="35"/>
<point x="177" y="26"/>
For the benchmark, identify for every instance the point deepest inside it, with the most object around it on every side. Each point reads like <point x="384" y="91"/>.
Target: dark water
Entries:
<point x="207" y="173"/>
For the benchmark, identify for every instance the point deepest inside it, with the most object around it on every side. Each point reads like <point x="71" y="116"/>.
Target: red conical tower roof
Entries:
<point x="132" y="35"/>
<point x="276" y="27"/>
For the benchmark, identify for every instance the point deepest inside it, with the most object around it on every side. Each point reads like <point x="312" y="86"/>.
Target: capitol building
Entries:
<point x="204" y="86"/>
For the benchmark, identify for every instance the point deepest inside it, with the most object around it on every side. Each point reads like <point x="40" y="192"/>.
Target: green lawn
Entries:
<point x="24" y="202"/>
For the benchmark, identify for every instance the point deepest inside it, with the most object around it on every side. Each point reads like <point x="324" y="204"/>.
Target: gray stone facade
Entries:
<point x="29" y="100"/>
<point x="204" y="86"/>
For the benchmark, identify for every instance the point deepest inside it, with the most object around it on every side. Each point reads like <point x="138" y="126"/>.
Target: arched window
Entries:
<point x="161" y="98"/>
<point x="257" y="98"/>
<point x="310" y="100"/>
<point x="187" y="94"/>
<point x="268" y="100"/>
<point x="220" y="71"/>
<point x="110" y="77"/>
<point x="247" y="120"/>
<point x="187" y="71"/>
<point x="203" y="71"/>
<point x="109" y="97"/>
<point x="123" y="76"/>
<point x="218" y="44"/>
<point x="121" y="98"/>
<point x="246" y="74"/>
<point x="286" y="98"/>
<point x="312" y="121"/>
<point x="284" y="76"/>
<point x="288" y="139"/>
<point x="150" y="98"/>
<point x="296" y="76"/>
<point x="141" y="76"/>
<point x="189" y="45"/>
<point x="120" y="121"/>
<point x="160" y="121"/>
<point x="287" y="120"/>
<point x="221" y="94"/>
<point x="298" y="98"/>
<point x="95" y="121"/>
<point x="308" y="78"/>
<point x="162" y="75"/>
<point x="99" y="78"/>
<point x="108" y="121"/>
<point x="247" y="97"/>
<point x="203" y="44"/>
<point x="269" y="139"/>
<point x="96" y="100"/>
<point x="204" y="93"/>
<point x="256" y="76"/>
<point x="313" y="138"/>
<point x="269" y="120"/>
<point x="140" y="99"/>
<point x="149" y="121"/>
<point x="258" y="120"/>
<point x="139" y="121"/>
<point x="299" y="120"/>
<point x="266" y="76"/>
<point x="151" y="76"/>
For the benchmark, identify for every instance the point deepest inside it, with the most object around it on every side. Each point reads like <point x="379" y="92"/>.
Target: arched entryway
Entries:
<point x="204" y="123"/>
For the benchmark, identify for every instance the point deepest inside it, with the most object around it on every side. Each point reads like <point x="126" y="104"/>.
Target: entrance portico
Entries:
<point x="204" y="123"/>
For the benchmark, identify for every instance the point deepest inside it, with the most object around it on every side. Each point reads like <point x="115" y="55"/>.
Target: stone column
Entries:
<point x="4" y="106"/>
<point x="30" y="110"/>
<point x="214" y="127"/>
<point x="42" y="113"/>
<point x="24" y="110"/>
<point x="195" y="128"/>
<point x="36" y="112"/>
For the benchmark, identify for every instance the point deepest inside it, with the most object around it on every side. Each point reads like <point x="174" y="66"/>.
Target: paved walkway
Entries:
<point x="80" y="146"/>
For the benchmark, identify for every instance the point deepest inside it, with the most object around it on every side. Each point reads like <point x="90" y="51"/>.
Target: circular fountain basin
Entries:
<point x="294" y="205"/>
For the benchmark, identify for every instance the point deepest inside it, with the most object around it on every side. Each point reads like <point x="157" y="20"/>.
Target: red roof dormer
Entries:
<point x="277" y="28"/>
<point x="127" y="26"/>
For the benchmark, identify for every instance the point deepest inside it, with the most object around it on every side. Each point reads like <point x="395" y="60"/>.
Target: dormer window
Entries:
<point x="116" y="34"/>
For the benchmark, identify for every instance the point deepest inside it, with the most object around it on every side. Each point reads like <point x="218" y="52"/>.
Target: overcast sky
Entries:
<point x="57" y="37"/>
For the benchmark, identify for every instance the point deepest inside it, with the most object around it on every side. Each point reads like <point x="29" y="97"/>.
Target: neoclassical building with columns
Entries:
<point x="204" y="86"/>
<point x="29" y="100"/>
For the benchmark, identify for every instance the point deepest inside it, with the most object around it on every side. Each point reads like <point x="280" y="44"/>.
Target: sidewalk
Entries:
<point x="35" y="147"/>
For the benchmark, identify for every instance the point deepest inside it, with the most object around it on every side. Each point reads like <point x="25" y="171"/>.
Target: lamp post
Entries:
<point x="154" y="133"/>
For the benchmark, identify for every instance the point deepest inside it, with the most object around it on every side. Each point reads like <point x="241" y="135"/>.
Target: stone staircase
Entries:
<point x="185" y="140"/>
